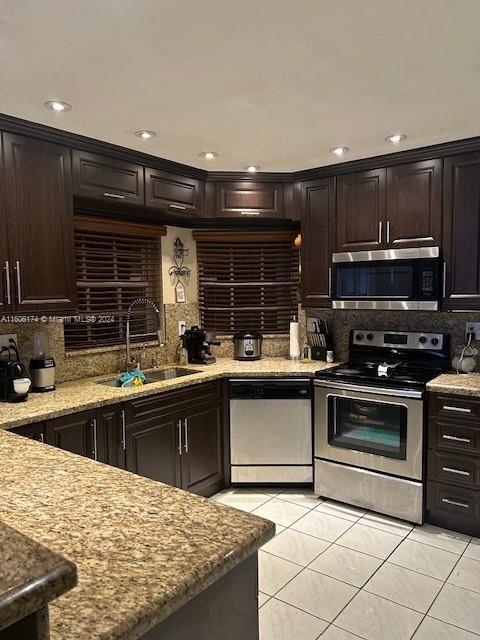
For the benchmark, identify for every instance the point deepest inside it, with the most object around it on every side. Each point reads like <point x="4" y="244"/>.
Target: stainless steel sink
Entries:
<point x="155" y="376"/>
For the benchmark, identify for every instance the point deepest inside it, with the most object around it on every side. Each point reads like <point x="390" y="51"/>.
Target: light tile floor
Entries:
<point x="337" y="572"/>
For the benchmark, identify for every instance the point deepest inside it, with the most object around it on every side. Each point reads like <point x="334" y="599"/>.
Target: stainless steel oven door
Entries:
<point x="377" y="429"/>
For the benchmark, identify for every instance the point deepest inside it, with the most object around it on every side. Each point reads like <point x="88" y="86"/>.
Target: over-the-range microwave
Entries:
<point x="387" y="279"/>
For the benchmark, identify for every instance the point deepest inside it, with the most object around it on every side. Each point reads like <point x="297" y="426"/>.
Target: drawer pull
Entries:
<point x="458" y="409"/>
<point x="182" y="207"/>
<point x="464" y="505"/>
<point x="457" y="471"/>
<point x="445" y="436"/>
<point x="118" y="196"/>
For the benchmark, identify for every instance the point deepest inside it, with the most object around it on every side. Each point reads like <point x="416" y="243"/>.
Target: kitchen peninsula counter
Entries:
<point x="143" y="549"/>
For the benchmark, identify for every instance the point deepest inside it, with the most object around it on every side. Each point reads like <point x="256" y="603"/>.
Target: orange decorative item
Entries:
<point x="298" y="241"/>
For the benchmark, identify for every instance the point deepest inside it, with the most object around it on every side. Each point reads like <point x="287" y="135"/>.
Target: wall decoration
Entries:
<point x="178" y="272"/>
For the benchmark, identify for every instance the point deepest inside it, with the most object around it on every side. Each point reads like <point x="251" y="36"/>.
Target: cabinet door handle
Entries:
<point x="448" y="407"/>
<point x="118" y="196"/>
<point x="94" y="428"/>
<point x="41" y="438"/>
<point x="457" y="471"/>
<point x="455" y="503"/>
<point x="380" y="232"/>
<point x="329" y="282"/>
<point x="388" y="231"/>
<point x="444" y="279"/>
<point x="249" y="213"/>
<point x="445" y="436"/>
<point x="124" y="431"/>
<point x="7" y="279"/>
<point x="19" y="282"/>
<point x="185" y="424"/>
<point x="182" y="207"/>
<point x="179" y="429"/>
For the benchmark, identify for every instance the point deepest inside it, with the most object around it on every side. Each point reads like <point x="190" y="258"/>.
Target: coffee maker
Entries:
<point x="14" y="382"/>
<point x="197" y="343"/>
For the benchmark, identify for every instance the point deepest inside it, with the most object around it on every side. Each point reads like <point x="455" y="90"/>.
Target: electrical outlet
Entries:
<point x="5" y="341"/>
<point x="473" y="327"/>
<point x="182" y="325"/>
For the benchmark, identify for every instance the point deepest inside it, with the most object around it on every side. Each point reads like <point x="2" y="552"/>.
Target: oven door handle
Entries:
<point x="397" y="393"/>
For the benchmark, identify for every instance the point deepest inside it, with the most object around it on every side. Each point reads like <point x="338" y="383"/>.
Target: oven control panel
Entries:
<point x="398" y="339"/>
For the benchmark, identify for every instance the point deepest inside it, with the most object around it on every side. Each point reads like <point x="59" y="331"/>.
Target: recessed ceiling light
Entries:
<point x="252" y="168"/>
<point x="339" y="151"/>
<point x="145" y="134"/>
<point x="209" y="155"/>
<point x="395" y="138"/>
<point x="57" y="105"/>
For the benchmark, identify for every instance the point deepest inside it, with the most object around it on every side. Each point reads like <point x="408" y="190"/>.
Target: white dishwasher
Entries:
<point x="271" y="430"/>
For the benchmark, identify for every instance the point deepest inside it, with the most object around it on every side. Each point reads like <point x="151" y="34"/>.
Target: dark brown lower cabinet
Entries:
<point x="176" y="438"/>
<point x="151" y="449"/>
<point x="202" y="457"/>
<point x="453" y="463"/>
<point x="74" y="433"/>
<point x="96" y="434"/>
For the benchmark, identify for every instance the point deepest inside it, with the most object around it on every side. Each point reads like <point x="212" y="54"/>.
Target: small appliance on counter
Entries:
<point x="197" y="343"/>
<point x="14" y="382"/>
<point x="42" y="365"/>
<point x="247" y="345"/>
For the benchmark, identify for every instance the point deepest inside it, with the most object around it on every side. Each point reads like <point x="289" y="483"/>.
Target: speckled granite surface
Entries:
<point x="142" y="548"/>
<point x="467" y="384"/>
<point x="88" y="394"/>
<point x="30" y="576"/>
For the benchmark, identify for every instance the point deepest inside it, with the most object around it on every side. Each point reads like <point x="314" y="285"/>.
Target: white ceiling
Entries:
<point x="268" y="82"/>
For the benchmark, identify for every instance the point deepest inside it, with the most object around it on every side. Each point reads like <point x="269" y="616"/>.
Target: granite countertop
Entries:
<point x="464" y="384"/>
<point x="142" y="548"/>
<point x="30" y="576"/>
<point x="88" y="394"/>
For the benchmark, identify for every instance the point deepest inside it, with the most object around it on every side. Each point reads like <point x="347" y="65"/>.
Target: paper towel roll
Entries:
<point x="294" y="340"/>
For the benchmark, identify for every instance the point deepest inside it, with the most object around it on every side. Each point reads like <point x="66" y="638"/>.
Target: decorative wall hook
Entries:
<point x="178" y="270"/>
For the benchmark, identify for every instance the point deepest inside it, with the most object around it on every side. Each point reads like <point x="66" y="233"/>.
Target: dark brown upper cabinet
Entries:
<point x="318" y="219"/>
<point x="461" y="231"/>
<point x="39" y="275"/>
<point x="248" y="199"/>
<point x="173" y="193"/>
<point x="360" y="218"/>
<point x="107" y="179"/>
<point x="414" y="205"/>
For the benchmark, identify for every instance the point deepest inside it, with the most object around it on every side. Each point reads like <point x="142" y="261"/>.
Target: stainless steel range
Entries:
<point x="369" y="421"/>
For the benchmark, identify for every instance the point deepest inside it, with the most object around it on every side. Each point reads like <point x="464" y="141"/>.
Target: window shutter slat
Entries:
<point x="112" y="269"/>
<point x="249" y="284"/>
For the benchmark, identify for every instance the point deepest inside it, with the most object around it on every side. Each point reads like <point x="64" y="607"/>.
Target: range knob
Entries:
<point x="359" y="336"/>
<point x="422" y="339"/>
<point x="370" y="336"/>
<point x="434" y="341"/>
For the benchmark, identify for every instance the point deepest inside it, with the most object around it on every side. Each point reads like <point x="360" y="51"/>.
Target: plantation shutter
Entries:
<point x="247" y="280"/>
<point x="115" y="263"/>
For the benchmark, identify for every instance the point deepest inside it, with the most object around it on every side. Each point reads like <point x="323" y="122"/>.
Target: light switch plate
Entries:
<point x="4" y="339"/>
<point x="473" y="327"/>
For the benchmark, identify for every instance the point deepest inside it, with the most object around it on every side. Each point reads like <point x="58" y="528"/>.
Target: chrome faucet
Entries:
<point x="150" y="303"/>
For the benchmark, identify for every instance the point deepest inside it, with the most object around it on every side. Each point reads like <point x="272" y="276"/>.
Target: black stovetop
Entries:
<point x="402" y="377"/>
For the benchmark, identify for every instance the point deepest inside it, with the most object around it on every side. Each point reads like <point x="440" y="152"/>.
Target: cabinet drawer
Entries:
<point x="454" y="469"/>
<point x="448" y="435"/>
<point x="107" y="179"/>
<point x="455" y="407"/>
<point x="450" y="499"/>
<point x="172" y="193"/>
<point x="172" y="401"/>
